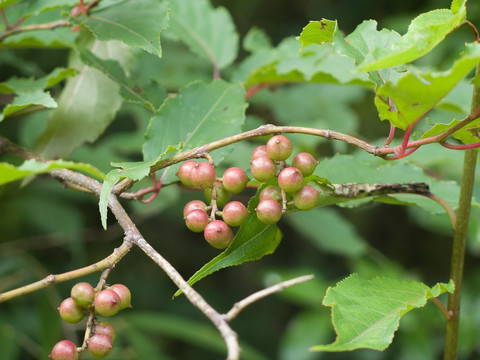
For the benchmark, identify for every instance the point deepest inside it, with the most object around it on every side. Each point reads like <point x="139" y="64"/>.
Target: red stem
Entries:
<point x="390" y="136"/>
<point x="252" y="91"/>
<point x="460" y="147"/>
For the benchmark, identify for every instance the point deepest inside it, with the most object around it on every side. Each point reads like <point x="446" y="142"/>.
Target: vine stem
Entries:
<point x="459" y="242"/>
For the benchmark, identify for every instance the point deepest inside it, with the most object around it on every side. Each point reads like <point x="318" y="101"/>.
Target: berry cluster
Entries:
<point x="82" y="301"/>
<point x="267" y="163"/>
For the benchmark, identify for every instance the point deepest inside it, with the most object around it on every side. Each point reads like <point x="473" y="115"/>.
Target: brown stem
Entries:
<point x="48" y="26"/>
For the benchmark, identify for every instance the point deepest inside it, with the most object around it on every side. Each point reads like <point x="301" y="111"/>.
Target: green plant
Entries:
<point x="179" y="93"/>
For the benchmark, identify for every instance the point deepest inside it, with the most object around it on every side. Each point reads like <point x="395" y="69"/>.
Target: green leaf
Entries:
<point x="209" y="32"/>
<point x="199" y="114"/>
<point x="286" y="63"/>
<point x="467" y="134"/>
<point x="340" y="239"/>
<point x="26" y="100"/>
<point x="86" y="106"/>
<point x="40" y="6"/>
<point x="9" y="172"/>
<point x="424" y="33"/>
<point x="318" y="32"/>
<point x="253" y="241"/>
<point x="129" y="91"/>
<point x="117" y="22"/>
<point x="415" y="93"/>
<point x="6" y="3"/>
<point x="110" y="180"/>
<point x="366" y="313"/>
<point x="256" y="39"/>
<point x="16" y="85"/>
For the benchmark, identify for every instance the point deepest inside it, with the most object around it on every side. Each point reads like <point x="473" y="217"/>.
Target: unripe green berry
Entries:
<point x="259" y="151"/>
<point x="305" y="198"/>
<point x="196" y="220"/>
<point x="105" y="328"/>
<point x="222" y="194"/>
<point x="305" y="162"/>
<point x="234" y="213"/>
<point x="107" y="302"/>
<point x="193" y="205"/>
<point x="183" y="172"/>
<point x="218" y="234"/>
<point x="124" y="293"/>
<point x="271" y="192"/>
<point x="263" y="168"/>
<point x="269" y="211"/>
<point x="290" y="179"/>
<point x="100" y="345"/>
<point x="279" y="148"/>
<point x="70" y="311"/>
<point x="202" y="175"/>
<point x="235" y="180"/>
<point x="83" y="294"/>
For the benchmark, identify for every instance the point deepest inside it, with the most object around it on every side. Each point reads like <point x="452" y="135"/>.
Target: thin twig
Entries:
<point x="241" y="305"/>
<point x="48" y="26"/>
<point x="109" y="261"/>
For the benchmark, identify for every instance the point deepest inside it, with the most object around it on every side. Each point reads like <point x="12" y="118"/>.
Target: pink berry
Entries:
<point x="263" y="168"/>
<point x="193" y="205"/>
<point x="305" y="198"/>
<point x="203" y="175"/>
<point x="100" y="345"/>
<point x="305" y="162"/>
<point x="64" y="350"/>
<point x="234" y="213"/>
<point x="107" y="302"/>
<point x="269" y="211"/>
<point x="290" y="179"/>
<point x="279" y="148"/>
<point x="124" y="293"/>
<point x="235" y="180"/>
<point x="183" y="172"/>
<point x="218" y="234"/>
<point x="259" y="151"/>
<point x="70" y="311"/>
<point x="196" y="220"/>
<point x="105" y="328"/>
<point x="83" y="294"/>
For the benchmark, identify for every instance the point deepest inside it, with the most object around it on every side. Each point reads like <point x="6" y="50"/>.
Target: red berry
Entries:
<point x="306" y="198"/>
<point x="279" y="148"/>
<point x="271" y="192"/>
<point x="218" y="234"/>
<point x="259" y="151"/>
<point x="83" y="294"/>
<point x="100" y="345"/>
<point x="221" y="194"/>
<point x="124" y="294"/>
<point x="290" y="179"/>
<point x="197" y="220"/>
<point x="263" y="168"/>
<point x="203" y="175"/>
<point x="70" y="311"/>
<point x="193" y="205"/>
<point x="234" y="213"/>
<point x="105" y="328"/>
<point x="107" y="302"/>
<point x="235" y="180"/>
<point x="183" y="172"/>
<point x="269" y="211"/>
<point x="64" y="350"/>
<point x="305" y="162"/>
